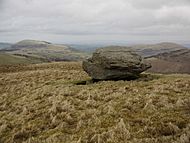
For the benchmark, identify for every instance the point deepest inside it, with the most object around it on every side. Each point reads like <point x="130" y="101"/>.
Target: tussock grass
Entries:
<point x="48" y="103"/>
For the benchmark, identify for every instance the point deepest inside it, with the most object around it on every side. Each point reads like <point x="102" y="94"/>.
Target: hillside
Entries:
<point x="32" y="43"/>
<point x="154" y="49"/>
<point x="171" y="62"/>
<point x="8" y="59"/>
<point x="43" y="51"/>
<point x="58" y="103"/>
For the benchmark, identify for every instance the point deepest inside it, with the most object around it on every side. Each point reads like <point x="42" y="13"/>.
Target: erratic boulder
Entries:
<point x="114" y="63"/>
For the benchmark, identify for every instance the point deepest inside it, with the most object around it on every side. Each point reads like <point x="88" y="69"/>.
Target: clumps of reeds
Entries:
<point x="118" y="133"/>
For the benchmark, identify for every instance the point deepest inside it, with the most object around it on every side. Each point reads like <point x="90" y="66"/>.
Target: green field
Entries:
<point x="8" y="59"/>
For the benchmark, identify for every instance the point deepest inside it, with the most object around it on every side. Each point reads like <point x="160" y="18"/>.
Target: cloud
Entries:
<point x="133" y="19"/>
<point x="176" y="15"/>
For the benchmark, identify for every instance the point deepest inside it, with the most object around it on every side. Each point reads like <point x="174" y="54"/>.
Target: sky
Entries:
<point x="95" y="21"/>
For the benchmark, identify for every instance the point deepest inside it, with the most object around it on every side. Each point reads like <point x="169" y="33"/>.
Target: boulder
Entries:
<point x="114" y="63"/>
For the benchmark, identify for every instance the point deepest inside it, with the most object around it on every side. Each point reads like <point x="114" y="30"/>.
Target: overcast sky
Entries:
<point x="95" y="21"/>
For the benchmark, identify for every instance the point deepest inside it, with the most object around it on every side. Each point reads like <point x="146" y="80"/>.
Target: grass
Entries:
<point x="8" y="59"/>
<point x="51" y="103"/>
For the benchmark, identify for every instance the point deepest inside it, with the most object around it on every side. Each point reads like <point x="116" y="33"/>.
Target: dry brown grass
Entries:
<point x="44" y="104"/>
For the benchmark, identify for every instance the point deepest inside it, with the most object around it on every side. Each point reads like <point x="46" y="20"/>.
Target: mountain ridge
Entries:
<point x="44" y="51"/>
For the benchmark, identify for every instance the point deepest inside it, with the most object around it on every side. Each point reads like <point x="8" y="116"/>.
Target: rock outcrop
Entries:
<point x="114" y="63"/>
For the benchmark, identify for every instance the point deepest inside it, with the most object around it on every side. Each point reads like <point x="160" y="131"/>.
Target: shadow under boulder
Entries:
<point x="115" y="63"/>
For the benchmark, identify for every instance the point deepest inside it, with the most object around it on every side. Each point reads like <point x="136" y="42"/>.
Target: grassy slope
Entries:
<point x="8" y="59"/>
<point x="43" y="103"/>
<point x="49" y="52"/>
<point x="165" y="66"/>
<point x="173" y="62"/>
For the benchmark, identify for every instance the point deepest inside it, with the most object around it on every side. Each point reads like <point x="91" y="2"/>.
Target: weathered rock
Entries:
<point x="113" y="63"/>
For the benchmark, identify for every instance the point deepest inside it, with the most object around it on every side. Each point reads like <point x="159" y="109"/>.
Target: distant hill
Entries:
<point x="147" y="50"/>
<point x="89" y="48"/>
<point x="5" y="45"/>
<point x="43" y="51"/>
<point x="187" y="45"/>
<point x="154" y="49"/>
<point x="171" y="62"/>
<point x="30" y="44"/>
